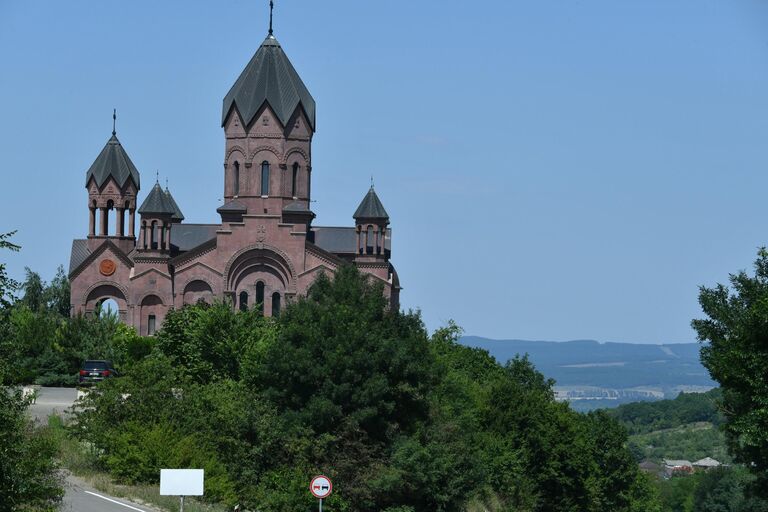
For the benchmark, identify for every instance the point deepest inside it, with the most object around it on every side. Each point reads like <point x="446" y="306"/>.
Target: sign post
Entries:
<point x="321" y="488"/>
<point x="181" y="482"/>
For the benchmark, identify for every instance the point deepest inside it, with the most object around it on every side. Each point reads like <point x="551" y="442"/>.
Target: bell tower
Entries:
<point x="371" y="221"/>
<point x="268" y="118"/>
<point x="113" y="183"/>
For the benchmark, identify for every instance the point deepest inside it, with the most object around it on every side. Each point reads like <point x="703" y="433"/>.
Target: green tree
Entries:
<point x="7" y="285"/>
<point x="57" y="293"/>
<point x="29" y="478"/>
<point x="34" y="291"/>
<point x="735" y="351"/>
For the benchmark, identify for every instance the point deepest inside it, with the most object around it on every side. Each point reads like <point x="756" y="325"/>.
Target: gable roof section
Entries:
<point x="371" y="207"/>
<point x="269" y="77"/>
<point x="189" y="236"/>
<point x="78" y="255"/>
<point x="341" y="240"/>
<point x="91" y="256"/>
<point x="113" y="162"/>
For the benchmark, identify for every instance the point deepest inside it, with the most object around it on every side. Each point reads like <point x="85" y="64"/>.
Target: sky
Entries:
<point x="553" y="169"/>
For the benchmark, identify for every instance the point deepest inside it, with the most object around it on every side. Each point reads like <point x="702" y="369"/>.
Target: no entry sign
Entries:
<point x="321" y="487"/>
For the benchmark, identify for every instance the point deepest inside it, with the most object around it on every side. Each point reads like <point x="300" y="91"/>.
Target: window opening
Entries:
<point x="265" y="178"/>
<point x="237" y="179"/>
<point x="294" y="178"/>
<point x="260" y="295"/>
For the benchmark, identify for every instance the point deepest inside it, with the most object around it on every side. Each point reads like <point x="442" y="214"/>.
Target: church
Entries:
<point x="263" y="251"/>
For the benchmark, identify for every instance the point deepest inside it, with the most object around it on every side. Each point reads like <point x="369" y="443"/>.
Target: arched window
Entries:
<point x="260" y="296"/>
<point x="369" y="240"/>
<point x="243" y="301"/>
<point x="111" y="224"/>
<point x="276" y="304"/>
<point x="153" y="239"/>
<point x="265" y="178"/>
<point x="294" y="179"/>
<point x="144" y="234"/>
<point x="236" y="178"/>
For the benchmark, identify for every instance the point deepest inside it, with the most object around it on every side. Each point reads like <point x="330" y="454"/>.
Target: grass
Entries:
<point x="82" y="461"/>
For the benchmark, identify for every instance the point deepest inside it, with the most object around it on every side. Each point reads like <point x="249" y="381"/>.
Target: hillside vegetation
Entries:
<point x="341" y="385"/>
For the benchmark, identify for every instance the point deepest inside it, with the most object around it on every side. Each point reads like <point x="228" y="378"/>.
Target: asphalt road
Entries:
<point x="52" y="401"/>
<point x="79" y="497"/>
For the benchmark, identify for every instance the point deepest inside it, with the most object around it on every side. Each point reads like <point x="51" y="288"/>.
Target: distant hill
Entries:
<point x="590" y="374"/>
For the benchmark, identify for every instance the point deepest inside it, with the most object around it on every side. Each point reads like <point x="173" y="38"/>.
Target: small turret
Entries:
<point x="371" y="221"/>
<point x="157" y="212"/>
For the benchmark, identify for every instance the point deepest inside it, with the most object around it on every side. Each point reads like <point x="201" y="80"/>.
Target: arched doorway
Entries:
<point x="106" y="297"/>
<point x="107" y="308"/>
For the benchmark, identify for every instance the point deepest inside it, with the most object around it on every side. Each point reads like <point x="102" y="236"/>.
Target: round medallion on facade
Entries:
<point x="107" y="267"/>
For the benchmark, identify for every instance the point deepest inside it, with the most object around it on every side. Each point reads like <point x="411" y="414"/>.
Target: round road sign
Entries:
<point x="321" y="487"/>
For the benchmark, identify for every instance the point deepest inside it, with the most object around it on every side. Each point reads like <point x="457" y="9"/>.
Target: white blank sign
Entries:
<point x="181" y="482"/>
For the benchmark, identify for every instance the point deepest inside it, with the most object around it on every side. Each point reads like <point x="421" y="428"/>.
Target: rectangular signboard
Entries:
<point x="181" y="482"/>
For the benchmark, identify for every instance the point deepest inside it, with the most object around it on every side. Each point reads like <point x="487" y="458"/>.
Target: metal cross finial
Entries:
<point x="157" y="176"/>
<point x="271" y="6"/>
<point x="371" y="180"/>
<point x="166" y="183"/>
<point x="114" y="120"/>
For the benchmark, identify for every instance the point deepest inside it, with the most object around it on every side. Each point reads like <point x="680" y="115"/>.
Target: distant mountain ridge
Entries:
<point x="591" y="374"/>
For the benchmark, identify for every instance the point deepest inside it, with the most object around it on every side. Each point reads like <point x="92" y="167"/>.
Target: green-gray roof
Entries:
<point x="269" y="77"/>
<point x="177" y="215"/>
<point x="371" y="207"/>
<point x="112" y="161"/>
<point x="157" y="202"/>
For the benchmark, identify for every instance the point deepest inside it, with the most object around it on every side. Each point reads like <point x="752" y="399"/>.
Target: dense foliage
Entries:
<point x="736" y="355"/>
<point x="342" y="385"/>
<point x="28" y="473"/>
<point x="42" y="345"/>
<point x="645" y="417"/>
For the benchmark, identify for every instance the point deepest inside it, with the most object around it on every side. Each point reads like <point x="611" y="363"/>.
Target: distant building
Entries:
<point x="706" y="464"/>
<point x="262" y="253"/>
<point x="674" y="467"/>
<point x="649" y="466"/>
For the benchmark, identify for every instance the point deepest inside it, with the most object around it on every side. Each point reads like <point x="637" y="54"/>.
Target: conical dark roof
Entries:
<point x="177" y="215"/>
<point x="157" y="202"/>
<point x="270" y="77"/>
<point x="371" y="207"/>
<point x="112" y="161"/>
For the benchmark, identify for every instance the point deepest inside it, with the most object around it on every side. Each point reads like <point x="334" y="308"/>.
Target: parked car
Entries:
<point x="96" y="370"/>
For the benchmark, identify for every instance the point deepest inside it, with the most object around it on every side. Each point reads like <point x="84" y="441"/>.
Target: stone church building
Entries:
<point x="262" y="252"/>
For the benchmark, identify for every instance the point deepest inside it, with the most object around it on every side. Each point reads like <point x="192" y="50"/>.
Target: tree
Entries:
<point x="735" y="351"/>
<point x="34" y="291"/>
<point x="29" y="478"/>
<point x="7" y="285"/>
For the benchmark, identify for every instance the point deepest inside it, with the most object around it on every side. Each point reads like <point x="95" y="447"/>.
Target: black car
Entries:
<point x="96" y="370"/>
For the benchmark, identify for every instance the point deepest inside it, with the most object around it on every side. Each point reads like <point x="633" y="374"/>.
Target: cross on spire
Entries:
<point x="157" y="177"/>
<point x="114" y="120"/>
<point x="271" y="6"/>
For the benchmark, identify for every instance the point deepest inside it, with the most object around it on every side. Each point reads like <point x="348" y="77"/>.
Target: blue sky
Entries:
<point x="553" y="169"/>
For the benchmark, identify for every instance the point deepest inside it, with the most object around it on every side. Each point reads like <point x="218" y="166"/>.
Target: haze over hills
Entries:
<point x="590" y="374"/>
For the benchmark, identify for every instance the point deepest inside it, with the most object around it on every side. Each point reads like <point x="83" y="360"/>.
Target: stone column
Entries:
<point x="120" y="221"/>
<point x="376" y="238"/>
<point x="92" y="222"/>
<point x="132" y="221"/>
<point x="103" y="226"/>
